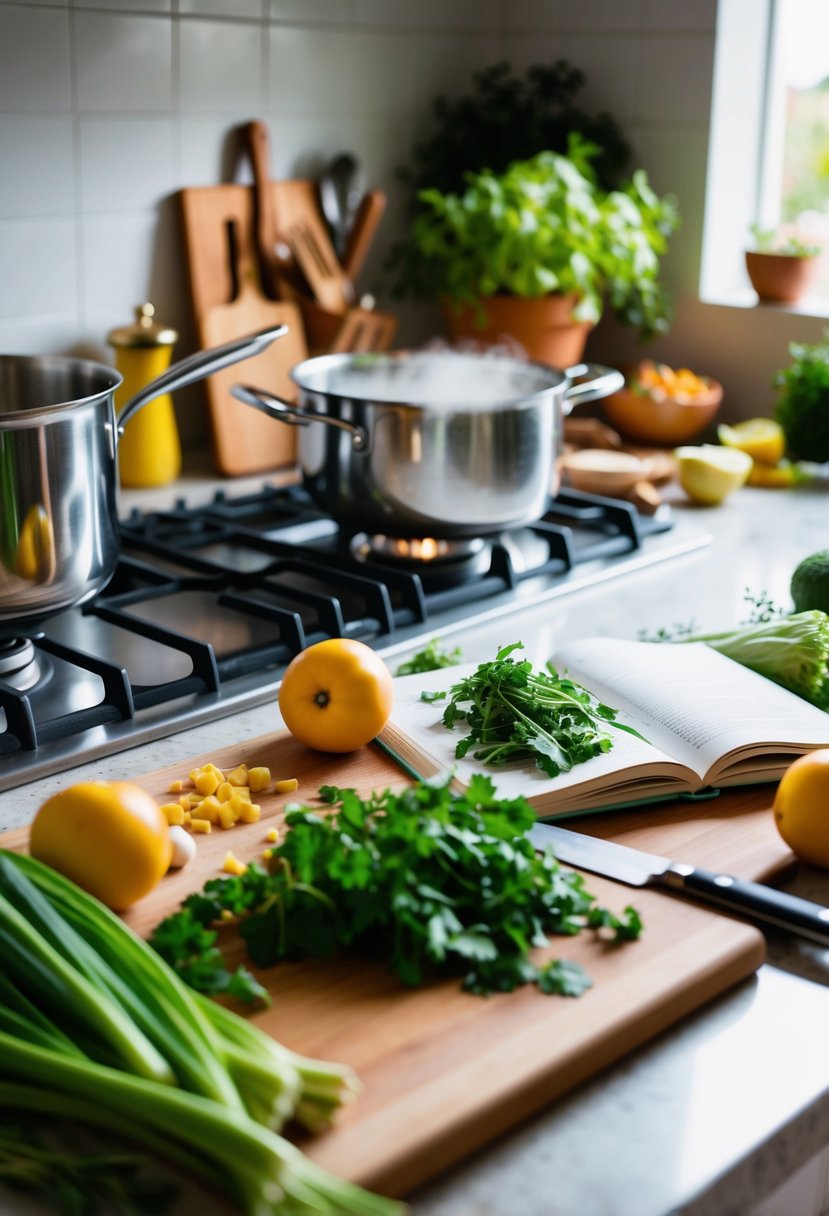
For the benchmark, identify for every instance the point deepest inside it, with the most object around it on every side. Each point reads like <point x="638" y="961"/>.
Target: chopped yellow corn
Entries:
<point x="184" y="800"/>
<point x="227" y="815"/>
<point x="272" y="836"/>
<point x="201" y="825"/>
<point x="258" y="779"/>
<point x="225" y="791"/>
<point x="206" y="782"/>
<point x="287" y="786"/>
<point x="267" y="854"/>
<point x="250" y="812"/>
<point x="239" y="776"/>
<point x="175" y="787"/>
<point x="209" y="808"/>
<point x="232" y="865"/>
<point x="237" y="802"/>
<point x="187" y="818"/>
<point x="173" y="812"/>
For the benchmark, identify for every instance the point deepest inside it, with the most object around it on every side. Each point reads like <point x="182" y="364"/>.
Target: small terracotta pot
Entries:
<point x="780" y="278"/>
<point x="544" y="327"/>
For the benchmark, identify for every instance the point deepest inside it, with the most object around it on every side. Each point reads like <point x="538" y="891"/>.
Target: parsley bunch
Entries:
<point x="435" y="881"/>
<point x="515" y="713"/>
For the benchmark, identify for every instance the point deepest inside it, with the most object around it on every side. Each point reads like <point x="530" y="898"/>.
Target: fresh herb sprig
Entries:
<point x="433" y="657"/>
<point x="515" y="713"/>
<point x="437" y="882"/>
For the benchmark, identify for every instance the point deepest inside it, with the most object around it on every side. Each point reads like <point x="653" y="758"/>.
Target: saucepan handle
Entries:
<point x="295" y="415"/>
<point x="196" y="367"/>
<point x="595" y="381"/>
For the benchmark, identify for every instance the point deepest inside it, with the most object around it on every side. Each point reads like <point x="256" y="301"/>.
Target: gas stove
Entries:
<point x="208" y="604"/>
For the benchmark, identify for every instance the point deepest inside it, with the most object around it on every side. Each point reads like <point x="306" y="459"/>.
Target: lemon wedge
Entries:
<point x="760" y="438"/>
<point x="708" y="473"/>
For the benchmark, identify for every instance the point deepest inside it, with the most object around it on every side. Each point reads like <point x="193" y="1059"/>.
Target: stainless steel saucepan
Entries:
<point x="58" y="472"/>
<point x="432" y="443"/>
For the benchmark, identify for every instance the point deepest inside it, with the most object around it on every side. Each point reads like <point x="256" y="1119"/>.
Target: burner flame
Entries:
<point x="421" y="549"/>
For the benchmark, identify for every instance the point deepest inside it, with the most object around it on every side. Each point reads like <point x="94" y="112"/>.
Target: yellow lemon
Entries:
<point x="801" y="807"/>
<point x="708" y="474"/>
<point x="761" y="438"/>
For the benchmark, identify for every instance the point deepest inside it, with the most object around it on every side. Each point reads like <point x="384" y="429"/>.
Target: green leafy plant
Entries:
<point x="512" y="712"/>
<point x="433" y="657"/>
<point x="436" y="882"/>
<point x="769" y="240"/>
<point x="506" y="117"/>
<point x="802" y="406"/>
<point x="545" y="226"/>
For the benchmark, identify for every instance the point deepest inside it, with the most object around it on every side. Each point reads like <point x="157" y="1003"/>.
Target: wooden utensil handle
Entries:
<point x="366" y="221"/>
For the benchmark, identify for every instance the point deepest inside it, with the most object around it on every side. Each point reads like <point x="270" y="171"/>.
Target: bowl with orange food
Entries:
<point x="661" y="406"/>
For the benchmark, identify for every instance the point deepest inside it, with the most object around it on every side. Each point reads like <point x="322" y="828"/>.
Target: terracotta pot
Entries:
<point x="544" y="328"/>
<point x="780" y="278"/>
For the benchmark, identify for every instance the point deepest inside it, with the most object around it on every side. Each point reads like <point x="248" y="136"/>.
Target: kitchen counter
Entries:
<point x="727" y="1113"/>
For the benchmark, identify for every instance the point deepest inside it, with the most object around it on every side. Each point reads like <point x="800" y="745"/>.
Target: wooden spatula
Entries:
<point x="316" y="259"/>
<point x="365" y="329"/>
<point x="280" y="271"/>
<point x="245" y="441"/>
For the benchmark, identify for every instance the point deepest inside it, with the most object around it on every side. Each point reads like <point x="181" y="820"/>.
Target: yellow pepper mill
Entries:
<point x="149" y="451"/>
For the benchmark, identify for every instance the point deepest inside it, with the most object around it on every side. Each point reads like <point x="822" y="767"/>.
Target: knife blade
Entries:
<point x="750" y="900"/>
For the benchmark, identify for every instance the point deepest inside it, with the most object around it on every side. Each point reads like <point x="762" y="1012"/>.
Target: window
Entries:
<point x="769" y="148"/>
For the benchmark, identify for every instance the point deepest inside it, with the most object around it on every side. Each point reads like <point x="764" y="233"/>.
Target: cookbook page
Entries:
<point x="632" y="768"/>
<point x="696" y="704"/>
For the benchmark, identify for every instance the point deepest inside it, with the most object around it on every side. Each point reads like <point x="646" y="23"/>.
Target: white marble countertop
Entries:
<point x="715" y="1115"/>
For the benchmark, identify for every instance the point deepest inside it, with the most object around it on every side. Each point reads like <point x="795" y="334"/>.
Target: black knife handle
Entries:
<point x="751" y="900"/>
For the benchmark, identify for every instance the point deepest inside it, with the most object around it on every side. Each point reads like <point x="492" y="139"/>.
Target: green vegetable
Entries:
<point x="769" y="240"/>
<point x="544" y="226"/>
<point x="46" y="1160"/>
<point x="435" y="881"/>
<point x="514" y="713"/>
<point x="793" y="651"/>
<point x="432" y="658"/>
<point x="199" y="1086"/>
<point x="810" y="583"/>
<point x="802" y="406"/>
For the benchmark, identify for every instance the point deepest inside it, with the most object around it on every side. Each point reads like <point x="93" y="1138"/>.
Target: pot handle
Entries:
<point x="283" y="411"/>
<point x="598" y="382"/>
<point x="196" y="367"/>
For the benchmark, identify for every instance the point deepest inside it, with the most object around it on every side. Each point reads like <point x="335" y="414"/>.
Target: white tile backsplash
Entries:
<point x="109" y="107"/>
<point x="126" y="163"/>
<point x="311" y="71"/>
<point x="220" y="66"/>
<point x="34" y="60"/>
<point x="38" y="267"/>
<point x="37" y="159"/>
<point x="123" y="63"/>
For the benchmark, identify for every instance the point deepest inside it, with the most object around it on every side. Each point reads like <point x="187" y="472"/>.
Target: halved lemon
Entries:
<point x="708" y="473"/>
<point x="760" y="438"/>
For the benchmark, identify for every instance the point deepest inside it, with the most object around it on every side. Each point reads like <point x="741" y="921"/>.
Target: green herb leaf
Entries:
<point x="432" y="658"/>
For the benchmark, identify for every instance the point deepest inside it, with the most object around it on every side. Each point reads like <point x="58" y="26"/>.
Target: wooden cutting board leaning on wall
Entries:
<point x="444" y="1071"/>
<point x="228" y="301"/>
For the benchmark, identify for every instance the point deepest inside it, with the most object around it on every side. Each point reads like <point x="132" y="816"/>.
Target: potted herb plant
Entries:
<point x="802" y="405"/>
<point x="781" y="267"/>
<point x="537" y="252"/>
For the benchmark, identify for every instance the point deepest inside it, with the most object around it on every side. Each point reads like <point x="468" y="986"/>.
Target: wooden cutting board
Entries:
<point x="244" y="439"/>
<point x="443" y="1071"/>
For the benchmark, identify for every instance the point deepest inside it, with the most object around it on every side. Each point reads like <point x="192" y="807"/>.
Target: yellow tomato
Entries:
<point x="109" y="837"/>
<point x="336" y="695"/>
<point x="801" y="807"/>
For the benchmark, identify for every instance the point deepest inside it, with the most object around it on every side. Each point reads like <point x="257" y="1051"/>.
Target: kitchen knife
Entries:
<point x="739" y="896"/>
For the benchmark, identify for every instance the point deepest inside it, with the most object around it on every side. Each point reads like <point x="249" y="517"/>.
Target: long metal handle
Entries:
<point x="294" y="415"/>
<point x="599" y="382"/>
<point x="196" y="367"/>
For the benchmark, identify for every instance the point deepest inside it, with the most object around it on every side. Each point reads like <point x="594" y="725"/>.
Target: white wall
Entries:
<point x="107" y="107"/>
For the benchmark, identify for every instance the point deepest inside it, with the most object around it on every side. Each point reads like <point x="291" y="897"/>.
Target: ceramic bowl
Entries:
<point x="641" y="418"/>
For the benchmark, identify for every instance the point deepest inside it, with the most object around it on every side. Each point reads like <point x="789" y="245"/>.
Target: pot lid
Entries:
<point x="144" y="331"/>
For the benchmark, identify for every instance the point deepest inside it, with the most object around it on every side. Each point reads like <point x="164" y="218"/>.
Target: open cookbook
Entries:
<point x="709" y="723"/>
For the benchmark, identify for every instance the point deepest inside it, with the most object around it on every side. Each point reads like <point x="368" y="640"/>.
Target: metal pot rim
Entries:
<point x="558" y="380"/>
<point x="56" y="363"/>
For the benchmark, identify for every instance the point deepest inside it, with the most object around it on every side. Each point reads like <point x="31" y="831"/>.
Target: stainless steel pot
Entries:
<point x="431" y="443"/>
<point x="58" y="472"/>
